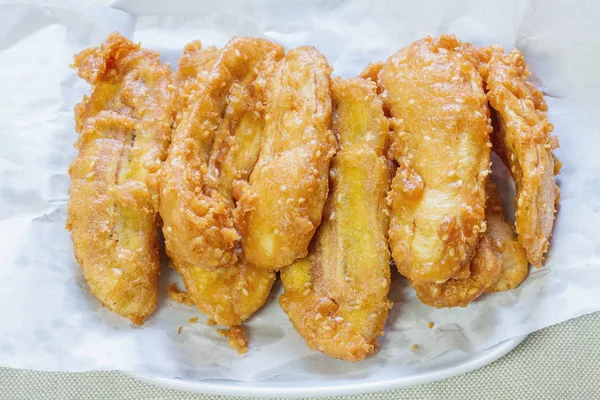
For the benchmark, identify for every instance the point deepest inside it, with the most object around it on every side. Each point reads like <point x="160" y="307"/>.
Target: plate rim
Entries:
<point x="224" y="388"/>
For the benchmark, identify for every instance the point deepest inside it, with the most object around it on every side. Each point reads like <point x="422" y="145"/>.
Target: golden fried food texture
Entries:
<point x="228" y="295"/>
<point x="485" y="271"/>
<point x="508" y="250"/>
<point x="227" y="105"/>
<point x="198" y="220"/>
<point x="522" y="139"/>
<point x="280" y="209"/>
<point x="336" y="297"/>
<point x="440" y="140"/>
<point x="236" y="338"/>
<point x="124" y="128"/>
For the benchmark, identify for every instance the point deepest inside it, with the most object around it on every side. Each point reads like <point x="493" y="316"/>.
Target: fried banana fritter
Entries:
<point x="499" y="263"/>
<point x="522" y="139"/>
<point x="124" y="127"/>
<point x="485" y="269"/>
<point x="440" y="140"/>
<point x="280" y="209"/>
<point x="336" y="297"/>
<point x="216" y="142"/>
<point x="508" y="250"/>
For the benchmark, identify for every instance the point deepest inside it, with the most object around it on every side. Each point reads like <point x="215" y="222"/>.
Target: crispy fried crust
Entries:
<point x="124" y="127"/>
<point x="226" y="104"/>
<point x="279" y="210"/>
<point x="440" y="140"/>
<point x="522" y="139"/>
<point x="485" y="271"/>
<point x="508" y="250"/>
<point x="236" y="338"/>
<point x="336" y="297"/>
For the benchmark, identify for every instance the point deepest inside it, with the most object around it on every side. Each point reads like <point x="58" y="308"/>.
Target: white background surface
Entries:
<point x="61" y="333"/>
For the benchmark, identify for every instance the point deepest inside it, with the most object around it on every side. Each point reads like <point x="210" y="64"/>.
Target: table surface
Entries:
<point x="559" y="362"/>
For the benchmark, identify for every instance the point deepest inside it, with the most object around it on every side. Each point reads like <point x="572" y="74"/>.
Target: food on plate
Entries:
<point x="215" y="143"/>
<point x="124" y="127"/>
<point x="280" y="208"/>
<point x="507" y="248"/>
<point x="440" y="140"/>
<point x="236" y="337"/>
<point x="485" y="270"/>
<point x="253" y="161"/>
<point x="522" y="139"/>
<point x="336" y="297"/>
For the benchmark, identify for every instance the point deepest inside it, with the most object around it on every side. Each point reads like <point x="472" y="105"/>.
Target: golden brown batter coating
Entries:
<point x="279" y="211"/>
<point x="440" y="140"/>
<point x="336" y="297"/>
<point x="226" y="105"/>
<point x="485" y="271"/>
<point x="124" y="127"/>
<point x="522" y="139"/>
<point x="507" y="248"/>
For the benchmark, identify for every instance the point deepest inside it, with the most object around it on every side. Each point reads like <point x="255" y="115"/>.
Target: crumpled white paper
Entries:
<point x="48" y="319"/>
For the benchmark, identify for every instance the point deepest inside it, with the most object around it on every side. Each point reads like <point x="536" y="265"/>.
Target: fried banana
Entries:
<point x="336" y="296"/>
<point x="522" y="139"/>
<point x="508" y="250"/>
<point x="279" y="210"/>
<point x="485" y="269"/>
<point x="440" y="140"/>
<point x="124" y="127"/>
<point x="216" y="142"/>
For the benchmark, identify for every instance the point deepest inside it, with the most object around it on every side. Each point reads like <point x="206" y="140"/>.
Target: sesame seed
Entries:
<point x="338" y="319"/>
<point x="237" y="53"/>
<point x="460" y="182"/>
<point x="451" y="252"/>
<point x="426" y="138"/>
<point x="451" y="173"/>
<point x="169" y="229"/>
<point x="267" y="117"/>
<point x="90" y="175"/>
<point x="276" y="231"/>
<point x="301" y="200"/>
<point x="373" y="315"/>
<point x="332" y="216"/>
<point x="327" y="327"/>
<point x="339" y="197"/>
<point x="282" y="188"/>
<point x="520" y="202"/>
<point x="318" y="153"/>
<point x="384" y="282"/>
<point x="307" y="291"/>
<point x="306" y="284"/>
<point x="318" y="316"/>
<point x="444" y="238"/>
<point x="245" y="291"/>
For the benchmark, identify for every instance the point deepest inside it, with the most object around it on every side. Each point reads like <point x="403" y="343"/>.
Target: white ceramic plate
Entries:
<point x="450" y="364"/>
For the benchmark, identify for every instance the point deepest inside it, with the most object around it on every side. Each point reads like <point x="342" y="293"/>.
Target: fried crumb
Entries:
<point x="179" y="330"/>
<point x="211" y="322"/>
<point x="415" y="347"/>
<point x="236" y="338"/>
<point x="193" y="320"/>
<point x="430" y="325"/>
<point x="181" y="297"/>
